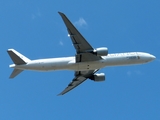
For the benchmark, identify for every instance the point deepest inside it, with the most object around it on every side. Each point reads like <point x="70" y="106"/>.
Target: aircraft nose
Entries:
<point x="146" y="57"/>
<point x="152" y="57"/>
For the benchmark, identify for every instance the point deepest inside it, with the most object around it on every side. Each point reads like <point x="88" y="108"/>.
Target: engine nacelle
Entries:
<point x="103" y="51"/>
<point x="98" y="77"/>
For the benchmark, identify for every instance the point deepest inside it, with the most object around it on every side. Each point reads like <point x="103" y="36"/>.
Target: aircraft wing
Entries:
<point x="79" y="42"/>
<point x="84" y="53"/>
<point x="83" y="48"/>
<point x="80" y="77"/>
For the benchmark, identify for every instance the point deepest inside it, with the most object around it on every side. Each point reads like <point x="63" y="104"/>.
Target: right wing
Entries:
<point x="80" y="77"/>
<point x="79" y="42"/>
<point x="83" y="48"/>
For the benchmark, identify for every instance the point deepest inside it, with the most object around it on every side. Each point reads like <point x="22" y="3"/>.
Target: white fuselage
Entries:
<point x="69" y="63"/>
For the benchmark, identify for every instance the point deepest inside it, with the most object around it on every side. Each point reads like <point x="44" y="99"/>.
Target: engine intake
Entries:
<point x="103" y="51"/>
<point x="98" y="77"/>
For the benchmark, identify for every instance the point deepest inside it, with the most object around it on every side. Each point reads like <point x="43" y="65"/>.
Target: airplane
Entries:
<point x="85" y="63"/>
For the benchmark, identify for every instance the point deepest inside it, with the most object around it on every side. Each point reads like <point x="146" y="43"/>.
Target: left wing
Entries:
<point x="80" y="77"/>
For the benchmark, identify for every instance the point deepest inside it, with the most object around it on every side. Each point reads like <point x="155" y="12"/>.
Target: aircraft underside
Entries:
<point x="70" y="64"/>
<point x="86" y="62"/>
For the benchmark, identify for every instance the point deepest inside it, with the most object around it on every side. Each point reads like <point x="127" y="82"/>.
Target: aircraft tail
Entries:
<point x="15" y="73"/>
<point x="18" y="59"/>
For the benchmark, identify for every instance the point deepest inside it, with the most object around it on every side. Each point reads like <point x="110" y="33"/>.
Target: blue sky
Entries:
<point x="35" y="29"/>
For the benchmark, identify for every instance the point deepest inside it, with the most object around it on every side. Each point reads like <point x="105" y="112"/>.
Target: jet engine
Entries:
<point x="98" y="77"/>
<point x="103" y="51"/>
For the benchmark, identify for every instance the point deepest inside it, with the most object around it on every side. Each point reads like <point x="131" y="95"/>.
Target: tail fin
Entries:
<point x="18" y="59"/>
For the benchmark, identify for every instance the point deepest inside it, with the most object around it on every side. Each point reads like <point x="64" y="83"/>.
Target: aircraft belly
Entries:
<point x="83" y="66"/>
<point x="42" y="65"/>
<point x="59" y="66"/>
<point x="69" y="64"/>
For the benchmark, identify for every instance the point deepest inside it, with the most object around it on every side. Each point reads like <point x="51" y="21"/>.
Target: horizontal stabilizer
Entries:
<point x="17" y="58"/>
<point x="15" y="73"/>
